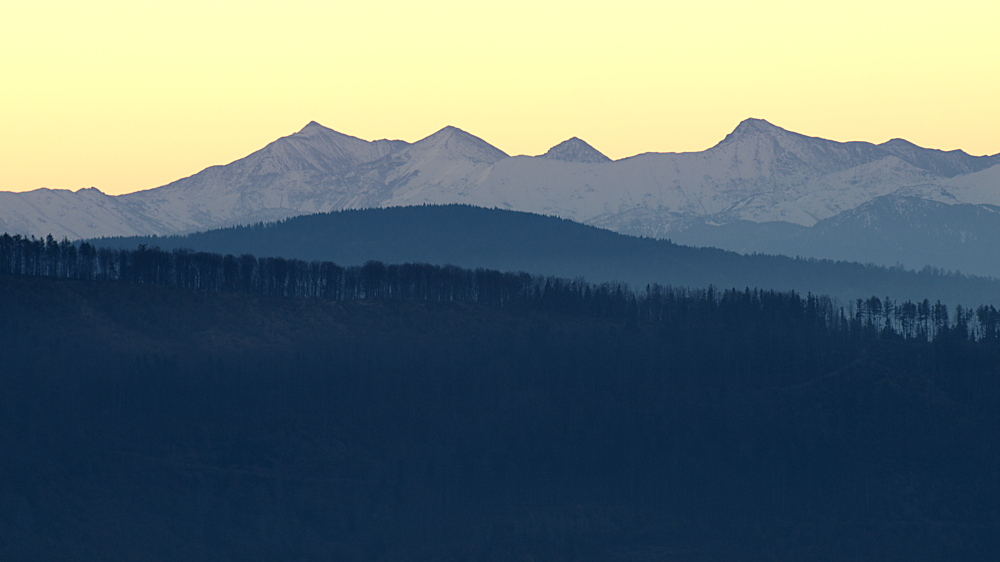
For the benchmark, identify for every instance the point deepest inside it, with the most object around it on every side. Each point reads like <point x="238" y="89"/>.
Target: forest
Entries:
<point x="184" y="405"/>
<point x="247" y="274"/>
<point x="473" y="238"/>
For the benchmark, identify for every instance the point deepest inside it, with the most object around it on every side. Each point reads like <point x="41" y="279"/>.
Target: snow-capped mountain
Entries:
<point x="759" y="173"/>
<point x="576" y="150"/>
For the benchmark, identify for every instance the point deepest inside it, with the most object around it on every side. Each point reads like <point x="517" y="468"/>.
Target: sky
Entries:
<point x="125" y="95"/>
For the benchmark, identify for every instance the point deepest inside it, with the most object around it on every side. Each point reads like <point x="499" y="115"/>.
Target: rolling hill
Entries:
<point x="474" y="237"/>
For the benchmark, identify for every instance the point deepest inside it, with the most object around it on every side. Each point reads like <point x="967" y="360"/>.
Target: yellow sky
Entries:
<point x="127" y="95"/>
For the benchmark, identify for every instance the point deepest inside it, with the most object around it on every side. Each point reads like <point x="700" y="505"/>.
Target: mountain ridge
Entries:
<point x="758" y="173"/>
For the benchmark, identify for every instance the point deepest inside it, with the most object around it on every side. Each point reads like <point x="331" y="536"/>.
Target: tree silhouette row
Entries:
<point x="280" y="277"/>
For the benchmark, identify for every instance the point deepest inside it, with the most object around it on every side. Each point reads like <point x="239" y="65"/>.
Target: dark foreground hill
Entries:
<point x="513" y="241"/>
<point x="144" y="422"/>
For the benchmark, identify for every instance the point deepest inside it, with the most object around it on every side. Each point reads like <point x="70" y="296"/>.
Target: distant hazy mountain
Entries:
<point x="892" y="230"/>
<point x="512" y="241"/>
<point x="759" y="173"/>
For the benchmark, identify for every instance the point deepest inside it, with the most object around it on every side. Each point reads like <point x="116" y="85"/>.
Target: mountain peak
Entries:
<point x="903" y="144"/>
<point x="754" y="125"/>
<point x="946" y="163"/>
<point x="900" y="142"/>
<point x="449" y="131"/>
<point x="455" y="140"/>
<point x="575" y="150"/>
<point x="313" y="128"/>
<point x="754" y="129"/>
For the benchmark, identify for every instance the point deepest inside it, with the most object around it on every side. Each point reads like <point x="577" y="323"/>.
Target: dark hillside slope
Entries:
<point x="514" y="241"/>
<point x="154" y="423"/>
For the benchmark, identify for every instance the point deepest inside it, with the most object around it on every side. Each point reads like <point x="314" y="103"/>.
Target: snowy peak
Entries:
<point x="344" y="147"/>
<point x="753" y="126"/>
<point x="778" y="151"/>
<point x="575" y="150"/>
<point x="316" y="148"/>
<point x="457" y="143"/>
<point x="763" y="141"/>
<point x="312" y="128"/>
<point x="947" y="164"/>
<point x="755" y="133"/>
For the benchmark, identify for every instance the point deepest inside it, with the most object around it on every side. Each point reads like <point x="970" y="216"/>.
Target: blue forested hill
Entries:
<point x="515" y="241"/>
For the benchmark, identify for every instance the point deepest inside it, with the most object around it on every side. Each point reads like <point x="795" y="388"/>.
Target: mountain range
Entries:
<point x="758" y="181"/>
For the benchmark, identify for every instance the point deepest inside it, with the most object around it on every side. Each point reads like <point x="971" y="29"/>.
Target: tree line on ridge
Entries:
<point x="281" y="277"/>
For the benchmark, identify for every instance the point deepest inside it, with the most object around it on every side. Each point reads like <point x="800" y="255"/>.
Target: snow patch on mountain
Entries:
<point x="979" y="188"/>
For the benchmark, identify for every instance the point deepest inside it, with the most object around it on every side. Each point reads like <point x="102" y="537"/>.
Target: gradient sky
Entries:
<point x="126" y="95"/>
